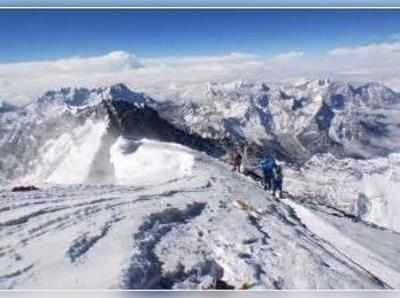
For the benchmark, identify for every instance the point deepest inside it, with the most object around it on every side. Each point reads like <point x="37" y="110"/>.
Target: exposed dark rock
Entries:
<point x="144" y="122"/>
<point x="24" y="188"/>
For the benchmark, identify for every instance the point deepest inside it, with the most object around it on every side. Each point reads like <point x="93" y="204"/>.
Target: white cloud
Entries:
<point x="373" y="62"/>
<point x="287" y="57"/>
<point x="368" y="50"/>
<point x="21" y="82"/>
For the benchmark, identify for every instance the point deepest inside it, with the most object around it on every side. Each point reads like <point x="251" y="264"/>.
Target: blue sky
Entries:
<point x="162" y="51"/>
<point x="43" y="35"/>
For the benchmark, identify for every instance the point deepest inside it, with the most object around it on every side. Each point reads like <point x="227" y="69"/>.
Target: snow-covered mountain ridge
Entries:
<point x="69" y="128"/>
<point x="295" y="121"/>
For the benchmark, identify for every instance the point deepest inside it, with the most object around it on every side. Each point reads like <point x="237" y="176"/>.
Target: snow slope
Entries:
<point x="204" y="227"/>
<point x="68" y="158"/>
<point x="341" y="236"/>
<point x="149" y="162"/>
<point x="367" y="189"/>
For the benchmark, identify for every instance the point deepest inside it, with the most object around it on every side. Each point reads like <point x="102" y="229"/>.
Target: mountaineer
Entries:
<point x="267" y="165"/>
<point x="277" y="180"/>
<point x="237" y="161"/>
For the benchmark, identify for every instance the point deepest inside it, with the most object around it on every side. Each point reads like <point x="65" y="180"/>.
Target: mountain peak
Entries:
<point x="377" y="86"/>
<point x="71" y="98"/>
<point x="120" y="87"/>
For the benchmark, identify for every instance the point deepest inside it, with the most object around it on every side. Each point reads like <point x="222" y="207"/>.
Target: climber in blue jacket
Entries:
<point x="267" y="166"/>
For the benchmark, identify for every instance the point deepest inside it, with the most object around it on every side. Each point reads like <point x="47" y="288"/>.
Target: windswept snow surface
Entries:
<point x="149" y="162"/>
<point x="185" y="231"/>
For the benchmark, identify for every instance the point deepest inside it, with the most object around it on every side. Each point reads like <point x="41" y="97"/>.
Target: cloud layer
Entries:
<point x="22" y="82"/>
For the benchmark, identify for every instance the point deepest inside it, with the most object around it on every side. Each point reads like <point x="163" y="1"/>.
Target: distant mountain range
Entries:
<point x="292" y="121"/>
<point x="298" y="120"/>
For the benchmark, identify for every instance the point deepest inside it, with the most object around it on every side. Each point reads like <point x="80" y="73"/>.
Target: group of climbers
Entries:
<point x="271" y="171"/>
<point x="272" y="175"/>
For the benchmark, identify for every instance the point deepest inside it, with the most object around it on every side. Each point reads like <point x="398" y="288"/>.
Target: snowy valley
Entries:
<point x="135" y="192"/>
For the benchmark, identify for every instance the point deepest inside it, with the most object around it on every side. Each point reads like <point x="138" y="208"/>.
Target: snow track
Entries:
<point x="145" y="269"/>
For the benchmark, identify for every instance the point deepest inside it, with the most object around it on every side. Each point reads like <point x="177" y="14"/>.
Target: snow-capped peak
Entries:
<point x="374" y="93"/>
<point x="78" y="98"/>
<point x="314" y="83"/>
